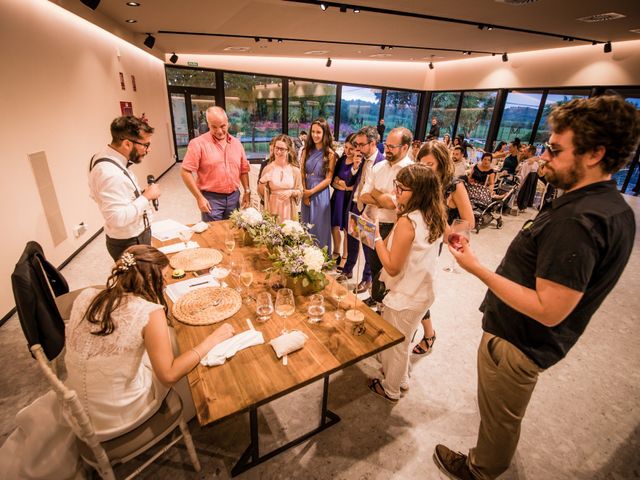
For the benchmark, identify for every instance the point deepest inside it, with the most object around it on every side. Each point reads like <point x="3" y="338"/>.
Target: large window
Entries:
<point x="187" y="77"/>
<point x="519" y="115"/>
<point x="475" y="116"/>
<point x="401" y="110"/>
<point x="254" y="108"/>
<point x="308" y="101"/>
<point x="443" y="106"/>
<point x="359" y="107"/>
<point x="554" y="99"/>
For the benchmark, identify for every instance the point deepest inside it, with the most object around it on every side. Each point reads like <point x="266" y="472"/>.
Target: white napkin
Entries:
<point x="178" y="289"/>
<point x="200" y="227"/>
<point x="178" y="247"/>
<point x="227" y="349"/>
<point x="288" y="342"/>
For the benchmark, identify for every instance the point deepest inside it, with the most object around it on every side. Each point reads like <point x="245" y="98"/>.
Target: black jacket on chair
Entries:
<point x="33" y="281"/>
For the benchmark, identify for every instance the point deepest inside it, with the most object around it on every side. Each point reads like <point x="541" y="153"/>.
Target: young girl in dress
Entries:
<point x="409" y="259"/>
<point x="119" y="360"/>
<point x="280" y="184"/>
<point x="341" y="198"/>
<point x="318" y="163"/>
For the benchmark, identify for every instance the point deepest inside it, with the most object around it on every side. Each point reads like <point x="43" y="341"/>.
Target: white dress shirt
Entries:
<point x="366" y="172"/>
<point x="115" y="195"/>
<point x="381" y="178"/>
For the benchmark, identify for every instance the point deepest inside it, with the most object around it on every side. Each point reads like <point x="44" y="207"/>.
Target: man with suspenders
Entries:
<point x="123" y="204"/>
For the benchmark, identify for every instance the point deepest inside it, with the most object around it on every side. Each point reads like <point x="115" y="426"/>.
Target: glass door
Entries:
<point x="180" y="123"/>
<point x="199" y="105"/>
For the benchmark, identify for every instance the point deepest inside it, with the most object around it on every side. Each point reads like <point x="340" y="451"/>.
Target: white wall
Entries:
<point x="59" y="92"/>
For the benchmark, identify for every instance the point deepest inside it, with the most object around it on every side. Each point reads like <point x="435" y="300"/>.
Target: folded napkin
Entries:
<point x="200" y="227"/>
<point x="227" y="349"/>
<point x="178" y="247"/>
<point x="288" y="342"/>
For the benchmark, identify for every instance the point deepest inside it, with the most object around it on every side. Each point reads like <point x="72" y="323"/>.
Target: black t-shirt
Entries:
<point x="581" y="240"/>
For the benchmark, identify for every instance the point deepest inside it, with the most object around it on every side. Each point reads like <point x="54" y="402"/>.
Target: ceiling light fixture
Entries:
<point x="505" y="58"/>
<point x="323" y="7"/>
<point x="279" y="40"/>
<point x="173" y="58"/>
<point x="356" y="10"/>
<point x="133" y="4"/>
<point x="256" y="39"/>
<point x="92" y="4"/>
<point x="329" y="62"/>
<point x="382" y="47"/>
<point x="430" y="65"/>
<point x="150" y="41"/>
<point x="343" y="9"/>
<point x="130" y="20"/>
<point x="607" y="47"/>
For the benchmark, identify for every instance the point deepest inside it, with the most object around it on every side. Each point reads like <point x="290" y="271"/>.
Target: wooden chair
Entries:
<point x="104" y="455"/>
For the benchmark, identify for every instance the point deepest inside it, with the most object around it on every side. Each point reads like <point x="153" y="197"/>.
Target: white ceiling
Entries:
<point x="284" y="19"/>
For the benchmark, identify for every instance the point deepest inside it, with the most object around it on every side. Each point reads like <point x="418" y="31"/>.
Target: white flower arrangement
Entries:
<point x="314" y="258"/>
<point x="291" y="227"/>
<point x="251" y="216"/>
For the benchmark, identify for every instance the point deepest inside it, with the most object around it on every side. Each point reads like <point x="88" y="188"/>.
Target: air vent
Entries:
<point x="635" y="30"/>
<point x="516" y="3"/>
<point x="237" y="49"/>
<point x="601" y="17"/>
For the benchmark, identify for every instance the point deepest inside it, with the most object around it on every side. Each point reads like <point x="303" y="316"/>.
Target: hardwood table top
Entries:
<point x="255" y="375"/>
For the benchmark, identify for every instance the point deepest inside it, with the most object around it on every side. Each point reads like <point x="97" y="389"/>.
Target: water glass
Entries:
<point x="264" y="306"/>
<point x="285" y="306"/>
<point x="315" y="308"/>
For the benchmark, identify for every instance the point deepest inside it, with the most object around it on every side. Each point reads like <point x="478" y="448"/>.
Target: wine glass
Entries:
<point x="185" y="236"/>
<point x="220" y="272"/>
<point x="246" y="277"/>
<point x="236" y="264"/>
<point x="459" y="228"/>
<point x="264" y="306"/>
<point x="230" y="241"/>
<point x="285" y="306"/>
<point x="315" y="309"/>
<point x="339" y="292"/>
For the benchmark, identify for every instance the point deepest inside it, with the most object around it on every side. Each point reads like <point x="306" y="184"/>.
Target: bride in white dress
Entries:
<point x="119" y="360"/>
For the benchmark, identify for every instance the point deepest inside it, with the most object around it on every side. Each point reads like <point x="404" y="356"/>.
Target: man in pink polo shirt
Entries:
<point x="220" y="166"/>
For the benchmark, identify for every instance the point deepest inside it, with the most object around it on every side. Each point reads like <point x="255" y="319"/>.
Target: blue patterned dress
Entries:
<point x="319" y="212"/>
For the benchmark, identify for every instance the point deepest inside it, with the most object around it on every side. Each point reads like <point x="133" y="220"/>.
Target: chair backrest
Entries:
<point x="35" y="284"/>
<point x="74" y="414"/>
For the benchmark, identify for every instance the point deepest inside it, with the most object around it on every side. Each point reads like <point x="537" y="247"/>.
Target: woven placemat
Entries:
<point x="208" y="305"/>
<point x="196" y="259"/>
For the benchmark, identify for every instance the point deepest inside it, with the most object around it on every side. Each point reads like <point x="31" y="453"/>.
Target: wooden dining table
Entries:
<point x="255" y="376"/>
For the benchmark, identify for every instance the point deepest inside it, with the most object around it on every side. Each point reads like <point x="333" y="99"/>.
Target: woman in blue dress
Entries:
<point x="341" y="198"/>
<point x="318" y="163"/>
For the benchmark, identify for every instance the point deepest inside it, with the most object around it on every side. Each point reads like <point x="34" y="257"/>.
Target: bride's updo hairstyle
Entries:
<point x="137" y="272"/>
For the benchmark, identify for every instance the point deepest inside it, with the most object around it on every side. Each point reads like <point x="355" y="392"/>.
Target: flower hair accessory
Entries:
<point x="127" y="261"/>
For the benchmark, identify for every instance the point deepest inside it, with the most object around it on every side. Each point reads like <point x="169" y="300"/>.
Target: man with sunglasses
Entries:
<point x="122" y="203"/>
<point x="554" y="276"/>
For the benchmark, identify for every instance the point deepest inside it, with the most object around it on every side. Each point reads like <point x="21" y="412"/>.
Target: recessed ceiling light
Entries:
<point x="380" y="55"/>
<point x="316" y="52"/>
<point x="635" y="30"/>
<point x="130" y="20"/>
<point x="236" y="49"/>
<point x="601" y="17"/>
<point x="133" y="4"/>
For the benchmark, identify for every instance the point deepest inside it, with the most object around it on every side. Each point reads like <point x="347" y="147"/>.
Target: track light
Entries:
<point x="430" y="65"/>
<point x="607" y="47"/>
<point x="92" y="4"/>
<point x="269" y="40"/>
<point x="323" y="6"/>
<point x="382" y="47"/>
<point x="150" y="41"/>
<point x="505" y="58"/>
<point x="256" y="39"/>
<point x="329" y="62"/>
<point x="481" y="27"/>
<point x="356" y="10"/>
<point x="173" y="58"/>
<point x="343" y="9"/>
<point x="279" y="40"/>
<point x="466" y="52"/>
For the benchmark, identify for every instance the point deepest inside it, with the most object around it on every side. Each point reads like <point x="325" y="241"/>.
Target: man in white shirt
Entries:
<point x="459" y="162"/>
<point x="378" y="189"/>
<point x="123" y="204"/>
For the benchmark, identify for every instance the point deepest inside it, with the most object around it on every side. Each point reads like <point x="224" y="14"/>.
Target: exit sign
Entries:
<point x="192" y="64"/>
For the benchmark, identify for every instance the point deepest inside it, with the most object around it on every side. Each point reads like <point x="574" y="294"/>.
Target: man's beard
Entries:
<point x="394" y="157"/>
<point x="567" y="180"/>
<point x="135" y="157"/>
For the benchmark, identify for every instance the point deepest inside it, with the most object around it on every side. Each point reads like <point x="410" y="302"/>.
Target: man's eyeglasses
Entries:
<point x="391" y="147"/>
<point x="145" y="145"/>
<point x="360" y="145"/>
<point x="400" y="188"/>
<point x="553" y="151"/>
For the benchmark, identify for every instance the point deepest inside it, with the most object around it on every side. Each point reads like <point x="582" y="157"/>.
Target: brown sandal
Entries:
<point x="376" y="387"/>
<point x="428" y="348"/>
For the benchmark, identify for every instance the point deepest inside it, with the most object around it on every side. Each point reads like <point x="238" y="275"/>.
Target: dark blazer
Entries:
<point x="33" y="281"/>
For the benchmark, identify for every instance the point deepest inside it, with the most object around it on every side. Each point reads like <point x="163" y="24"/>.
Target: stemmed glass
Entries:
<point x="459" y="228"/>
<point x="285" y="306"/>
<point x="246" y="277"/>
<point x="264" y="306"/>
<point x="220" y="272"/>
<point x="339" y="292"/>
<point x="185" y="236"/>
<point x="230" y="241"/>
<point x="236" y="264"/>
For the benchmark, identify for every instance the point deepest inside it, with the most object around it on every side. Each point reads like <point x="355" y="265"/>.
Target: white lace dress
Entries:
<point x="114" y="380"/>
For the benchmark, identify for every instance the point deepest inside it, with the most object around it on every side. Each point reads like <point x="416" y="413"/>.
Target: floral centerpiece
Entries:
<point x="302" y="266"/>
<point x="250" y="220"/>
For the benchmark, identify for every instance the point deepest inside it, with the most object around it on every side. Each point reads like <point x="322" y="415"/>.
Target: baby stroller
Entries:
<point x="488" y="208"/>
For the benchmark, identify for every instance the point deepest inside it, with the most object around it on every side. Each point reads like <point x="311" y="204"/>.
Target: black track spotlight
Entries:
<point x="92" y="4"/>
<point x="329" y="62"/>
<point x="505" y="58"/>
<point x="430" y="65"/>
<point x="323" y="6"/>
<point x="279" y="40"/>
<point x="173" y="58"/>
<point x="343" y="9"/>
<point x="356" y="10"/>
<point x="256" y="39"/>
<point x="150" y="41"/>
<point x="481" y="27"/>
<point x="382" y="47"/>
<point x="607" y="47"/>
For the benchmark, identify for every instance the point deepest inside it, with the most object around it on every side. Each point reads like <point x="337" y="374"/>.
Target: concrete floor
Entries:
<point x="583" y="421"/>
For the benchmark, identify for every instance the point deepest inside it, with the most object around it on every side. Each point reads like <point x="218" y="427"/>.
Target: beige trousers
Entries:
<point x="506" y="379"/>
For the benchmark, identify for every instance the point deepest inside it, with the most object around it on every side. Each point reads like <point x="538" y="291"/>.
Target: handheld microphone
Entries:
<point x="151" y="180"/>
